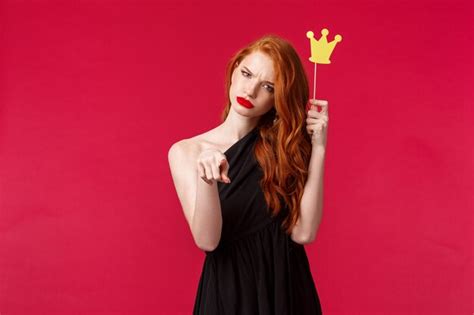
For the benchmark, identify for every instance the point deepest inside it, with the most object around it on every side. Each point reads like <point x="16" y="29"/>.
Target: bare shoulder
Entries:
<point x="191" y="147"/>
<point x="183" y="149"/>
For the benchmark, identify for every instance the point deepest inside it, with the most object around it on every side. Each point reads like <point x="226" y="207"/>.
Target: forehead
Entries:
<point x="260" y="64"/>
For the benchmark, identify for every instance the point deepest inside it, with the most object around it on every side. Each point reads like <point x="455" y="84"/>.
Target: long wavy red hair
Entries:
<point x="284" y="148"/>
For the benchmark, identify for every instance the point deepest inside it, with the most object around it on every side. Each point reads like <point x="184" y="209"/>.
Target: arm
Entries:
<point x="199" y="200"/>
<point x="311" y="210"/>
<point x="206" y="222"/>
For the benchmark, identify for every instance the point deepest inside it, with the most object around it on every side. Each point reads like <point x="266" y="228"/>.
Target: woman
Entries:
<point x="251" y="188"/>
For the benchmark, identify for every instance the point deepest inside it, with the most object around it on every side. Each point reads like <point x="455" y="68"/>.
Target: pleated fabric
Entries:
<point x="256" y="268"/>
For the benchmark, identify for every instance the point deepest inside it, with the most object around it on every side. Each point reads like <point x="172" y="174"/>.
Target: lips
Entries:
<point x="242" y="101"/>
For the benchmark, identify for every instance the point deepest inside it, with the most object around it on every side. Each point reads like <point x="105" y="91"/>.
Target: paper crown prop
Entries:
<point x="321" y="50"/>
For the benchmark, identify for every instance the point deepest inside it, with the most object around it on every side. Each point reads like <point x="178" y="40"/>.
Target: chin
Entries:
<point x="239" y="109"/>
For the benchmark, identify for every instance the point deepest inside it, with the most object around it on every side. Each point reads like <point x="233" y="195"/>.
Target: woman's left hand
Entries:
<point x="317" y="123"/>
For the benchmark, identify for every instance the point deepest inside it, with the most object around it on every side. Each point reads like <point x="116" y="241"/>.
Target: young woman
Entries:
<point x="252" y="188"/>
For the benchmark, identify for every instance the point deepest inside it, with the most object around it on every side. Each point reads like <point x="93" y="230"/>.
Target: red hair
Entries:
<point x="284" y="148"/>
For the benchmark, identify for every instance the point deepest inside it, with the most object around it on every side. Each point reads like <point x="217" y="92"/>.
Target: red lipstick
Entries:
<point x="242" y="101"/>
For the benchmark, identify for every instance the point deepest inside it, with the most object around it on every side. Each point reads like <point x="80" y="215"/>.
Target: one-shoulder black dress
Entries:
<point x="256" y="268"/>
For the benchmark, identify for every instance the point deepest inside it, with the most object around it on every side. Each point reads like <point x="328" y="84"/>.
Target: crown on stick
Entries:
<point x="321" y="50"/>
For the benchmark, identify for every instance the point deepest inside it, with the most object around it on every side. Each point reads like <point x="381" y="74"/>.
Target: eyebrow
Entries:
<point x="252" y="73"/>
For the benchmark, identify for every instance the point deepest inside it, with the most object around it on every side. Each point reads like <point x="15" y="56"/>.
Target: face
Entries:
<point x="252" y="88"/>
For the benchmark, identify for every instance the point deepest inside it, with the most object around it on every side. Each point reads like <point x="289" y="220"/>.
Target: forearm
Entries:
<point x="206" y="223"/>
<point x="311" y="208"/>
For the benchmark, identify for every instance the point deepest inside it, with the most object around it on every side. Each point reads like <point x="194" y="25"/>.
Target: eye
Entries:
<point x="245" y="73"/>
<point x="269" y="88"/>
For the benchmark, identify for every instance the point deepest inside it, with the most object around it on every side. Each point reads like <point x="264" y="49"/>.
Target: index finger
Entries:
<point x="324" y="107"/>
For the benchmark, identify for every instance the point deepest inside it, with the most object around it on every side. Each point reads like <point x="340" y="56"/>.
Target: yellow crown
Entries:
<point x="321" y="50"/>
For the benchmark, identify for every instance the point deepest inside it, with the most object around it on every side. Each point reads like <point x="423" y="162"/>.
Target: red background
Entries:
<point x="93" y="94"/>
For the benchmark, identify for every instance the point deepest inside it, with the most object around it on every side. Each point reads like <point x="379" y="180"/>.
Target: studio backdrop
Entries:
<point x="94" y="93"/>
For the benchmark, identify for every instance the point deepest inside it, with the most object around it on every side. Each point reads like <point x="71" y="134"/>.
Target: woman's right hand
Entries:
<point x="212" y="166"/>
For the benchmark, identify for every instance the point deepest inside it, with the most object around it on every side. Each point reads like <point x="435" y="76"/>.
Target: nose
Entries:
<point x="251" y="89"/>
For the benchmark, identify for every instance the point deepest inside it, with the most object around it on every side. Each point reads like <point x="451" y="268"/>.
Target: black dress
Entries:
<point x="256" y="268"/>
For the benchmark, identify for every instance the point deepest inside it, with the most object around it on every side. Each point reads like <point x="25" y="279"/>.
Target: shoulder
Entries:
<point x="189" y="148"/>
<point x="181" y="153"/>
<point x="183" y="147"/>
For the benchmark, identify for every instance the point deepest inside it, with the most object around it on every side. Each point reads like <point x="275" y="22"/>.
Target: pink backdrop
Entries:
<point x="93" y="93"/>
